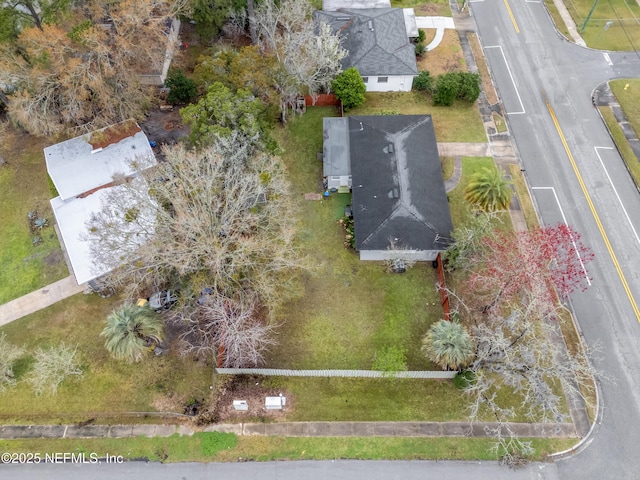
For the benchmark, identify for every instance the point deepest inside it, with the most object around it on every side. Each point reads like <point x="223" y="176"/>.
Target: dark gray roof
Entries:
<point x="398" y="190"/>
<point x="375" y="38"/>
<point x="335" y="147"/>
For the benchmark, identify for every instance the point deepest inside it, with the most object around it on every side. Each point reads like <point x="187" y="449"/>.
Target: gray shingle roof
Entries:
<point x="398" y="191"/>
<point x="376" y="39"/>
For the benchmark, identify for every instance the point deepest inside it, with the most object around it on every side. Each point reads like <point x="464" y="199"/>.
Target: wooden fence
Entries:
<point x="442" y="289"/>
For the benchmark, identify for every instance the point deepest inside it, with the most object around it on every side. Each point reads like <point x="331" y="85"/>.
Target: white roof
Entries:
<point x="74" y="169"/>
<point x="72" y="216"/>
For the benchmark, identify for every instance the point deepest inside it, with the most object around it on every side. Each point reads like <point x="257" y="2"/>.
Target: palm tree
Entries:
<point x="130" y="329"/>
<point x="448" y="345"/>
<point x="489" y="190"/>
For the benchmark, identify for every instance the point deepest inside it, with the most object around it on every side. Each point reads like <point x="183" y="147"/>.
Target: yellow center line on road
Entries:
<point x="594" y="213"/>
<point x="513" y="19"/>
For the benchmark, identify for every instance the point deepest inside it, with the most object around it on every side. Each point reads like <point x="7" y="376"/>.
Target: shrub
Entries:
<point x="423" y="82"/>
<point x="453" y="85"/>
<point x="349" y="88"/>
<point x="420" y="49"/>
<point x="463" y="379"/>
<point x="182" y="88"/>
<point x="446" y="89"/>
<point x="421" y="36"/>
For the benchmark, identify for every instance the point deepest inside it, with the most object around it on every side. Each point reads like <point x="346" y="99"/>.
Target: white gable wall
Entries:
<point x="408" y="255"/>
<point x="393" y="83"/>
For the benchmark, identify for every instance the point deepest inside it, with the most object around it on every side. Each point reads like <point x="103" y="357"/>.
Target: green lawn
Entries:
<point x="460" y="122"/>
<point x="107" y="386"/>
<point x="208" y="447"/>
<point x="458" y="206"/>
<point x="623" y="31"/>
<point x="350" y="309"/>
<point x="629" y="100"/>
<point x="24" y="187"/>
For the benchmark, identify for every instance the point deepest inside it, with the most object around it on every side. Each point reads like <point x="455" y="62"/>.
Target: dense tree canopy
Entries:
<point x="222" y="113"/>
<point x="85" y="76"/>
<point x="218" y="218"/>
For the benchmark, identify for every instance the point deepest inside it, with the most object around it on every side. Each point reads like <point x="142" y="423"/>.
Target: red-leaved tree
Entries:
<point x="540" y="263"/>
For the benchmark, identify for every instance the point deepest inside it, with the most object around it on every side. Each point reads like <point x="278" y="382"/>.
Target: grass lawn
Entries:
<point x="24" y="187"/>
<point x="627" y="153"/>
<point x="107" y="386"/>
<point x="524" y="198"/>
<point x="629" y="99"/>
<point x="623" y="31"/>
<point x="459" y="123"/>
<point x="219" y="447"/>
<point x="433" y="7"/>
<point x="483" y="70"/>
<point x="446" y="57"/>
<point x="372" y="399"/>
<point x="350" y="309"/>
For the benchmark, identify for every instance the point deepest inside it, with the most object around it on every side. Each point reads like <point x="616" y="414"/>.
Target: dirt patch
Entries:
<point x="164" y="128"/>
<point x="54" y="258"/>
<point x="446" y="57"/>
<point x="251" y="389"/>
<point x="168" y="403"/>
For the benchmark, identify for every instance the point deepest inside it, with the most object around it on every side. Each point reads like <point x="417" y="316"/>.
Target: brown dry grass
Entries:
<point x="483" y="70"/>
<point x="446" y="57"/>
<point x="113" y="134"/>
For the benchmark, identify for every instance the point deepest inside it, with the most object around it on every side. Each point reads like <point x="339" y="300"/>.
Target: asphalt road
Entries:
<point x="305" y="470"/>
<point x="534" y="66"/>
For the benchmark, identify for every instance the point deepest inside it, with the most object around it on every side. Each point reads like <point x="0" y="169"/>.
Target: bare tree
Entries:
<point x="8" y="355"/>
<point x="229" y="330"/>
<point x="510" y="306"/>
<point x="309" y="57"/>
<point x="218" y="218"/>
<point x="52" y="366"/>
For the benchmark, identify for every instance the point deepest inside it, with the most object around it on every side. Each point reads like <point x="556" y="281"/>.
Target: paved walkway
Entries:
<point x="39" y="299"/>
<point x="293" y="429"/>
<point x="452" y="182"/>
<point x="568" y="21"/>
<point x="440" y="24"/>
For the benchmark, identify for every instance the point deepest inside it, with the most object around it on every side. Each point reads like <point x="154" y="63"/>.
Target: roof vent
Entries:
<point x="370" y="24"/>
<point x="394" y="193"/>
<point x="343" y="19"/>
<point x="96" y="150"/>
<point x="389" y="148"/>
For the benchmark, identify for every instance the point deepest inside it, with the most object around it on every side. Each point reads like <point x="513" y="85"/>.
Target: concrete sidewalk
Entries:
<point x="39" y="299"/>
<point x="440" y="24"/>
<point x="293" y="429"/>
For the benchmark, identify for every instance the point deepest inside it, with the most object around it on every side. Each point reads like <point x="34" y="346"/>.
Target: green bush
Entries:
<point x="446" y="89"/>
<point x="182" y="88"/>
<point x="349" y="88"/>
<point x="420" y="49"/>
<point x="469" y="89"/>
<point x="454" y="85"/>
<point x="421" y="36"/>
<point x="423" y="82"/>
<point x="463" y="379"/>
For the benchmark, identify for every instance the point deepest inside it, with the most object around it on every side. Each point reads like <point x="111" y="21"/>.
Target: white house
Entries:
<point x="82" y="170"/>
<point x="378" y="45"/>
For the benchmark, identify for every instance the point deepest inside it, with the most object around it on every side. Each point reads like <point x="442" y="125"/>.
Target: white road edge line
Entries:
<point x="564" y="219"/>
<point x="616" y="191"/>
<point x="512" y="81"/>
